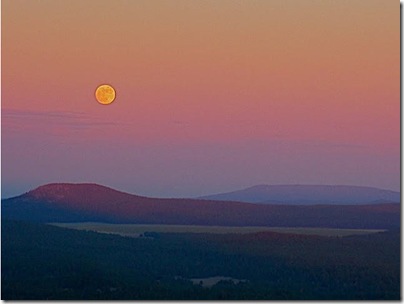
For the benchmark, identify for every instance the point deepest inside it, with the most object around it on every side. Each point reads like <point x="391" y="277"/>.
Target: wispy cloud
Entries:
<point x="52" y="122"/>
<point x="12" y="113"/>
<point x="332" y="144"/>
<point x="12" y="118"/>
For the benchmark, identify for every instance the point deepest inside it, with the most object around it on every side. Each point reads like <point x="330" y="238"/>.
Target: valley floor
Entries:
<point x="135" y="230"/>
<point x="47" y="262"/>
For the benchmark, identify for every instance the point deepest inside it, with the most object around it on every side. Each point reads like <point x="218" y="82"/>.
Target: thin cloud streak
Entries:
<point x="66" y="119"/>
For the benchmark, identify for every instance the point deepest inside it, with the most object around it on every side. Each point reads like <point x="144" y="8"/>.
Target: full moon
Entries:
<point x="105" y="94"/>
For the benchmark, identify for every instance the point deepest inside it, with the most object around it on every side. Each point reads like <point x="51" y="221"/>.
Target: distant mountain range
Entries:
<point x="91" y="202"/>
<point x="308" y="195"/>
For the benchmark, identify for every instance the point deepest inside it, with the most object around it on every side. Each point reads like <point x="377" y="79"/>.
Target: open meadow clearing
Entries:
<point x="134" y="230"/>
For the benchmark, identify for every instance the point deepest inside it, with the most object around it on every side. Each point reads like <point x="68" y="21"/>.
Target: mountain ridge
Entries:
<point x="92" y="202"/>
<point x="307" y="194"/>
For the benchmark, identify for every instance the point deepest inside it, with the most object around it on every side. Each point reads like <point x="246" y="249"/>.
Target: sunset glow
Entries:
<point x="213" y="95"/>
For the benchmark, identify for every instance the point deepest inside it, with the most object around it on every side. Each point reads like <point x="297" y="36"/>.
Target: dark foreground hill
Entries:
<point x="308" y="194"/>
<point x="91" y="202"/>
<point x="43" y="262"/>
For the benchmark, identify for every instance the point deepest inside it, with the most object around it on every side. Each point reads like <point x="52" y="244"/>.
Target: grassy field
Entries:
<point x="134" y="230"/>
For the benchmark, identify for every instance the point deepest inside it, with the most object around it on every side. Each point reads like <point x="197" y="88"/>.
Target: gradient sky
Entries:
<point x="212" y="96"/>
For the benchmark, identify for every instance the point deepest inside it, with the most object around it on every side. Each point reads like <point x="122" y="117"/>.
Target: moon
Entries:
<point x="105" y="94"/>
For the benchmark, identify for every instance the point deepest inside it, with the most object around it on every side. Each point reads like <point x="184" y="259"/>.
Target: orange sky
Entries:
<point x="194" y="73"/>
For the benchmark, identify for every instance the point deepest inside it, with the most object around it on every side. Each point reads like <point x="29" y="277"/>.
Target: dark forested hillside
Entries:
<point x="46" y="262"/>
